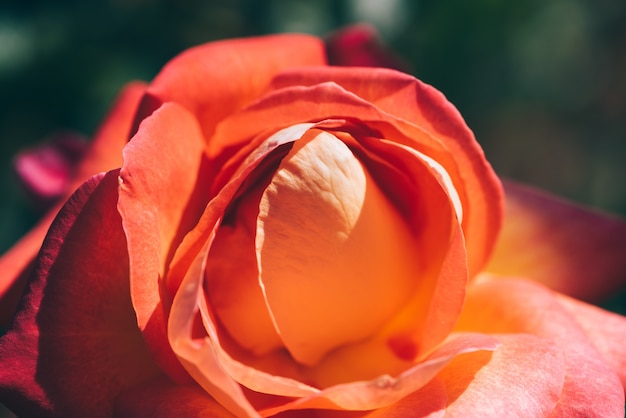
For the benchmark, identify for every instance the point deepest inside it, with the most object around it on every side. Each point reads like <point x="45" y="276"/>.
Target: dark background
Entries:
<point x="541" y="82"/>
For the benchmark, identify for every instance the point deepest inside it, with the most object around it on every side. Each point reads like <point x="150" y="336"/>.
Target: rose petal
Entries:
<point x="342" y="264"/>
<point x="198" y="353"/>
<point x="163" y="185"/>
<point x="606" y="330"/>
<point x="523" y="377"/>
<point x="431" y="312"/>
<point x="216" y="79"/>
<point x="104" y="154"/>
<point x="504" y="305"/>
<point x="232" y="277"/>
<point x="387" y="390"/>
<point x="161" y="398"/>
<point x="428" y="402"/>
<point x="407" y="98"/>
<point x="431" y="214"/>
<point x="571" y="249"/>
<point x="75" y="345"/>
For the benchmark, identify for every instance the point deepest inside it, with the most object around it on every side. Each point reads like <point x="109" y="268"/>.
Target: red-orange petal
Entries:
<point x="571" y="249"/>
<point x="163" y="185"/>
<point x="74" y="344"/>
<point x="105" y="153"/>
<point x="506" y="305"/>
<point x="411" y="100"/>
<point x="216" y="79"/>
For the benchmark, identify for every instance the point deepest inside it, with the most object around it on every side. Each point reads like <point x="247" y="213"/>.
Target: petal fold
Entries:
<point x="385" y="390"/>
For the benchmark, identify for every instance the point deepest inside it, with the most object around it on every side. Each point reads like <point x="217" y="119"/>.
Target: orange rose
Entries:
<point x="284" y="236"/>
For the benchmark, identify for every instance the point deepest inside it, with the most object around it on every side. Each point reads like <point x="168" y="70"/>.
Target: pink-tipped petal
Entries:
<point x="74" y="344"/>
<point x="606" y="330"/>
<point x="507" y="305"/>
<point x="569" y="248"/>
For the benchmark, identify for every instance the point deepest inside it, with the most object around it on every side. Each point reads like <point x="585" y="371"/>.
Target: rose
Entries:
<point x="161" y="285"/>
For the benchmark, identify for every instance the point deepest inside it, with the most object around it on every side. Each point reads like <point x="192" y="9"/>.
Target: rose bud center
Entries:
<point x="328" y="259"/>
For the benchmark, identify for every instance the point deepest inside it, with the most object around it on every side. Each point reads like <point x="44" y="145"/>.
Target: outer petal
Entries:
<point x="606" y="330"/>
<point x="104" y="154"/>
<point x="214" y="80"/>
<point x="500" y="305"/>
<point x="410" y="100"/>
<point x="163" y="190"/>
<point x="569" y="248"/>
<point x="74" y="344"/>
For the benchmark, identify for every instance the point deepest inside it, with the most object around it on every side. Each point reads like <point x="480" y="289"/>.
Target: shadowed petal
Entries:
<point x="569" y="248"/>
<point x="74" y="343"/>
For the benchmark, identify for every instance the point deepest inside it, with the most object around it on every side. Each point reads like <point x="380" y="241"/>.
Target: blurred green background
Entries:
<point x="542" y="82"/>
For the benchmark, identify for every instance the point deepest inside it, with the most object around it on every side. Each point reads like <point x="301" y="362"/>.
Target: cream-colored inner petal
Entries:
<point x="336" y="260"/>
